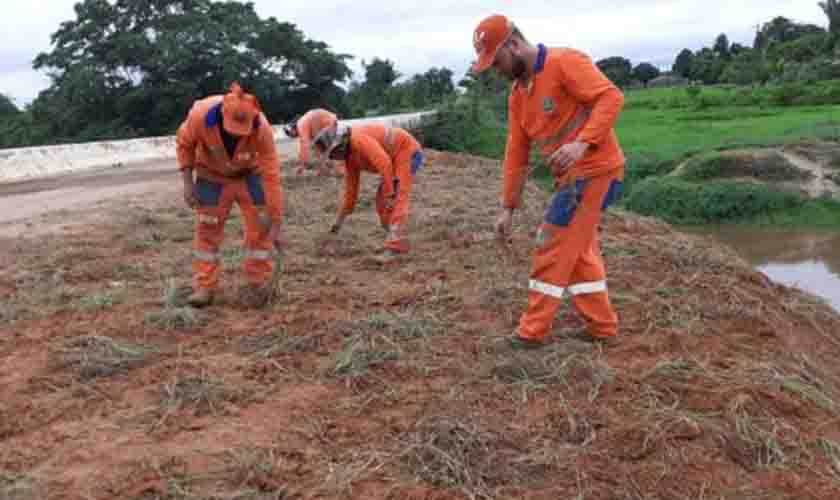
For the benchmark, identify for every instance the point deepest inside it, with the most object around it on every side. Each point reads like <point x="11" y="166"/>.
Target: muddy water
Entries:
<point x="809" y="260"/>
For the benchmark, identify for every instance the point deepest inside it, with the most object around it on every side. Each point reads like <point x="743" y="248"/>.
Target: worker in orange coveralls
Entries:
<point x="226" y="154"/>
<point x="392" y="153"/>
<point x="305" y="129"/>
<point x="562" y="103"/>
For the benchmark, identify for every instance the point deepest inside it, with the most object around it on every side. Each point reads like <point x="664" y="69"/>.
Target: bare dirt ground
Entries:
<point x="366" y="381"/>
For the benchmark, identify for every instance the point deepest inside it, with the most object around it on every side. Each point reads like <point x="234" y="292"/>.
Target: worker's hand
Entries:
<point x="504" y="224"/>
<point x="568" y="154"/>
<point x="277" y="236"/>
<point x="335" y="228"/>
<point x="190" y="195"/>
<point x="391" y="202"/>
<point x="324" y="167"/>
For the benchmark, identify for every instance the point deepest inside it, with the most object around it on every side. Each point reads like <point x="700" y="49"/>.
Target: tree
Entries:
<point x="645" y="72"/>
<point x="707" y="67"/>
<point x="746" y="68"/>
<point x="722" y="46"/>
<point x="682" y="65"/>
<point x="133" y="67"/>
<point x="7" y="107"/>
<point x="618" y="69"/>
<point x="781" y="30"/>
<point x="832" y="11"/>
<point x="380" y="74"/>
<point x="439" y="82"/>
<point x="736" y="48"/>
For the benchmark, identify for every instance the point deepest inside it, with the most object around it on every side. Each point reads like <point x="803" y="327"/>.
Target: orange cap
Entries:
<point x="488" y="37"/>
<point x="239" y="111"/>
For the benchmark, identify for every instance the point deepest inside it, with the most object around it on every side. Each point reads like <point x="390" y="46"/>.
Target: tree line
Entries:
<point x="782" y="51"/>
<point x="132" y="68"/>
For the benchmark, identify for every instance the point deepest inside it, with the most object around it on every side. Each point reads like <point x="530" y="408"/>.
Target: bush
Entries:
<point x="681" y="202"/>
<point x="641" y="166"/>
<point x="786" y="94"/>
<point x="465" y="126"/>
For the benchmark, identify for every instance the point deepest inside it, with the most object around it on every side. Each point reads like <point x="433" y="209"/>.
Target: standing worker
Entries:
<point x="305" y="129"/>
<point x="226" y="154"/>
<point x="391" y="152"/>
<point x="564" y="104"/>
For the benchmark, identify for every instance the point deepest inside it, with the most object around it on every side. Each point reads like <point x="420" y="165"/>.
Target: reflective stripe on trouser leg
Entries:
<point x="591" y="299"/>
<point x="209" y="234"/>
<point x="557" y="257"/>
<point x="258" y="262"/>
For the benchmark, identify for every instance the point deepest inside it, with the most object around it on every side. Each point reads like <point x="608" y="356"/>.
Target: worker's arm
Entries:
<point x="351" y="190"/>
<point x="589" y="86"/>
<point x="186" y="140"/>
<point x="352" y="178"/>
<point x="185" y="144"/>
<point x="268" y="166"/>
<point x="514" y="170"/>
<point x="515" y="167"/>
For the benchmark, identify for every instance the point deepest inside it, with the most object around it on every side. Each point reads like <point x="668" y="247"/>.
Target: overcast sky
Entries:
<point x="419" y="35"/>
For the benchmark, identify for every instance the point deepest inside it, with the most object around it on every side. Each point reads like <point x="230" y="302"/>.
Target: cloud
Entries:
<point x="420" y="35"/>
<point x="22" y="85"/>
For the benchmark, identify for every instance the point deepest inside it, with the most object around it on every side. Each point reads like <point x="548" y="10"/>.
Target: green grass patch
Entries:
<point x="769" y="166"/>
<point x="673" y="134"/>
<point x="681" y="202"/>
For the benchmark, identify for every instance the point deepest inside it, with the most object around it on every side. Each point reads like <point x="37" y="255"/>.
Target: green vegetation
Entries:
<point x="678" y="201"/>
<point x="661" y="129"/>
<point x="126" y="69"/>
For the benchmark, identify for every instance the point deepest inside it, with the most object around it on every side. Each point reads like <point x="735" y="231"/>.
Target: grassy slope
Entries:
<point x="390" y="383"/>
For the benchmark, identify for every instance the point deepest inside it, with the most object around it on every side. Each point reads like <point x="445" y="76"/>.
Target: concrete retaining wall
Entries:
<point x="29" y="163"/>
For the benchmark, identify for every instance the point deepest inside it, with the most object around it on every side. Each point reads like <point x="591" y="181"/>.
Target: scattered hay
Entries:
<point x="205" y="394"/>
<point x="101" y="300"/>
<point x="257" y="474"/>
<point x="10" y="312"/>
<point x="176" y="318"/>
<point x="342" y="472"/>
<point x="255" y="297"/>
<point x="397" y="326"/>
<point x="831" y="450"/>
<point x="175" y="314"/>
<point x="537" y="371"/>
<point x="343" y="246"/>
<point x="460" y="453"/>
<point x="99" y="356"/>
<point x="16" y="487"/>
<point x="759" y="441"/>
<point x="360" y="354"/>
<point x="279" y="342"/>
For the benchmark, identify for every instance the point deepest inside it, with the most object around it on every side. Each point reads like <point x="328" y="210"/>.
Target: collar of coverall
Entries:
<point x="214" y="117"/>
<point x="539" y="65"/>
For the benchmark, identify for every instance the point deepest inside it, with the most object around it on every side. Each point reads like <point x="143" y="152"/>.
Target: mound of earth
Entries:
<point x="808" y="169"/>
<point x="368" y="381"/>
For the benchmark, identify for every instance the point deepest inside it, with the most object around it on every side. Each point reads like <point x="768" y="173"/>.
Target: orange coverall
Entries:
<point x="250" y="178"/>
<point x="394" y="154"/>
<point x="568" y="99"/>
<point x="308" y="127"/>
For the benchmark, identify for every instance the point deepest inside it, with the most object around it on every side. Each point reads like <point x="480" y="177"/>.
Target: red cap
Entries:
<point x="239" y="111"/>
<point x="488" y="37"/>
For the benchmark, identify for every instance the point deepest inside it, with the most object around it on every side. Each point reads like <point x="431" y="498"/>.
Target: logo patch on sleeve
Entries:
<point x="548" y="105"/>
